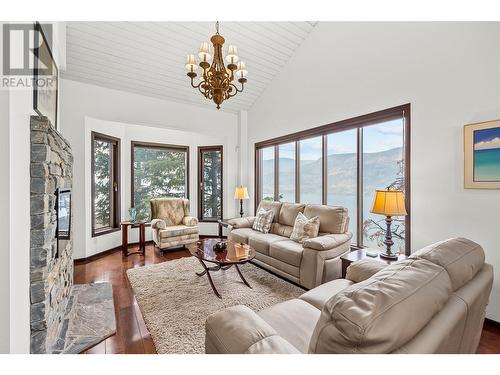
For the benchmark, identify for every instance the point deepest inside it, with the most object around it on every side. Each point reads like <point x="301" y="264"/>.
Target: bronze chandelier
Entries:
<point x="216" y="80"/>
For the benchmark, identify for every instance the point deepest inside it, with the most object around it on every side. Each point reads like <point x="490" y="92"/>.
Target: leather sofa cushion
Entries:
<point x="277" y="266"/>
<point x="331" y="219"/>
<point x="289" y="212"/>
<point x="364" y="269"/>
<point x="287" y="251"/>
<point x="242" y="234"/>
<point x="462" y="258"/>
<point x="235" y="330"/>
<point x="402" y="298"/>
<point x="274" y="206"/>
<point x="177" y="230"/>
<point x="327" y="241"/>
<point x="262" y="242"/>
<point x="242" y="222"/>
<point x="294" y="320"/>
<point x="281" y="230"/>
<point x="320" y="295"/>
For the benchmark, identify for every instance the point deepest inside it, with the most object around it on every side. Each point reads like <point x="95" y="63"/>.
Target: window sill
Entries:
<point x="208" y="220"/>
<point x="103" y="232"/>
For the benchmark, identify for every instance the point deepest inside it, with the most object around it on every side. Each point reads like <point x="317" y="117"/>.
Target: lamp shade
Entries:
<point x="241" y="192"/>
<point x="389" y="203"/>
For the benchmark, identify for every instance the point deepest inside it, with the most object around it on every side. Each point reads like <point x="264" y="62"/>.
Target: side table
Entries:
<point x="355" y="255"/>
<point x="222" y="224"/>
<point x="142" y="237"/>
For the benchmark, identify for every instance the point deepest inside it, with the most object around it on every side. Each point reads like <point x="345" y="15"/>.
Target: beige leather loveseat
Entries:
<point x="433" y="302"/>
<point x="171" y="222"/>
<point x="312" y="263"/>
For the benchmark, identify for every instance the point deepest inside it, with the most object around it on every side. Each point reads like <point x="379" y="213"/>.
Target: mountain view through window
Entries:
<point x="382" y="156"/>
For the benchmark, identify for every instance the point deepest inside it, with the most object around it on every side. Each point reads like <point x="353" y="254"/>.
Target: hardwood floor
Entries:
<point x="132" y="336"/>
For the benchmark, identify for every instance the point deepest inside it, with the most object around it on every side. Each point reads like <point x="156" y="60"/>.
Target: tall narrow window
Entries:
<point x="383" y="167"/>
<point x="210" y="195"/>
<point x="105" y="184"/>
<point x="267" y="173"/>
<point x="158" y="171"/>
<point x="286" y="168"/>
<point x="342" y="174"/>
<point x="311" y="170"/>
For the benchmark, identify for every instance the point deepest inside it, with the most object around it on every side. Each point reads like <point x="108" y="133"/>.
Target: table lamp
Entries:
<point x="241" y="193"/>
<point x="389" y="203"/>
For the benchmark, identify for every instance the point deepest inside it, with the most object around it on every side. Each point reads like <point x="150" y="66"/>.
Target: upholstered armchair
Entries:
<point x="171" y="223"/>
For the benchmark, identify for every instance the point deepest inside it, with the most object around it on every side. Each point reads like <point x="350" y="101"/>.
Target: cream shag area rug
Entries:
<point x="175" y="302"/>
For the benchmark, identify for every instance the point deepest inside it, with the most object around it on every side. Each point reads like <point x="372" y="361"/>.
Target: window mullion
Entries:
<point x="324" y="172"/>
<point x="276" y="173"/>
<point x="360" y="187"/>
<point x="297" y="172"/>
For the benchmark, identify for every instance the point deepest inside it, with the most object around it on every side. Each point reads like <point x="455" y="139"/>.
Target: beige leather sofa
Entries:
<point x="310" y="264"/>
<point x="171" y="223"/>
<point x="433" y="302"/>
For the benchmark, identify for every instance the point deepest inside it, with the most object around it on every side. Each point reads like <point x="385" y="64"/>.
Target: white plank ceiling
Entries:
<point x="148" y="57"/>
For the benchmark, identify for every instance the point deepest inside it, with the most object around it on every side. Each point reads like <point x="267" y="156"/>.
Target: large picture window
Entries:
<point x="105" y="168"/>
<point x="210" y="183"/>
<point x="342" y="164"/>
<point x="158" y="171"/>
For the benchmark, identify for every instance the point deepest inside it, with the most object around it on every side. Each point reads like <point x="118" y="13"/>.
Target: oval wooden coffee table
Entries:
<point x="233" y="255"/>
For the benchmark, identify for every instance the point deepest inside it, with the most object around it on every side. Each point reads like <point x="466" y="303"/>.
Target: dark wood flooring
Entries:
<point x="132" y="336"/>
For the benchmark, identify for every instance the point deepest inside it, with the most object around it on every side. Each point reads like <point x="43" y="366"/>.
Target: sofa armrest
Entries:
<point x="327" y="242"/>
<point x="158" y="224"/>
<point x="363" y="269"/>
<point x="321" y="258"/>
<point x="190" y="221"/>
<point x="241" y="222"/>
<point x="239" y="330"/>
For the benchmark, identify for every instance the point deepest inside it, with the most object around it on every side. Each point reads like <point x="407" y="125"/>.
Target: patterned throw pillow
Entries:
<point x="304" y="228"/>
<point x="263" y="220"/>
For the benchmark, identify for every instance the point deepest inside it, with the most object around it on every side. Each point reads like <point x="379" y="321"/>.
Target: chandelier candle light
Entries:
<point x="216" y="80"/>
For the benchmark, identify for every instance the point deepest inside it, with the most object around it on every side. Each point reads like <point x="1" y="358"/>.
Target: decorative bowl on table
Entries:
<point x="220" y="246"/>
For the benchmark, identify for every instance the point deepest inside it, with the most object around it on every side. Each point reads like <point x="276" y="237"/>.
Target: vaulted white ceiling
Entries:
<point x="148" y="57"/>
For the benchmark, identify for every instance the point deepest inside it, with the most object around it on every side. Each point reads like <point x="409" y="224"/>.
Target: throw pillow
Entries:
<point x="263" y="220"/>
<point x="304" y="228"/>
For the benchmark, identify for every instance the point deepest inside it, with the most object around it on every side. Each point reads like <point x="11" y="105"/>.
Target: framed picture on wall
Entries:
<point x="45" y="74"/>
<point x="482" y="155"/>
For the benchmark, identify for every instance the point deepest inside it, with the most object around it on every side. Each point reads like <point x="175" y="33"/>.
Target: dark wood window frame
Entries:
<point x="116" y="191"/>
<point x="162" y="146"/>
<point x="402" y="111"/>
<point x="202" y="149"/>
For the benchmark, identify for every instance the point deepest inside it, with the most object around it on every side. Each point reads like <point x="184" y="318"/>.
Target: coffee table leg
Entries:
<point x="207" y="271"/>
<point x="241" y="276"/>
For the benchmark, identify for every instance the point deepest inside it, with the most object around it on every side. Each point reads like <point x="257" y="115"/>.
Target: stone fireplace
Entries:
<point x="64" y="318"/>
<point x="51" y="275"/>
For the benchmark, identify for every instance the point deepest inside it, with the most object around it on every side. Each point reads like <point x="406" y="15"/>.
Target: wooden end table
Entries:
<point x="142" y="237"/>
<point x="356" y="255"/>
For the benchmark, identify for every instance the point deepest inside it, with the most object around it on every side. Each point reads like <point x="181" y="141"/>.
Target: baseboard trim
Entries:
<point x="105" y="253"/>
<point x="119" y="248"/>
<point x="211" y="236"/>
<point x="492" y="323"/>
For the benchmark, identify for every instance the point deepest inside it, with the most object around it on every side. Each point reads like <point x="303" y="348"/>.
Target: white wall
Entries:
<point x="16" y="106"/>
<point x="4" y="226"/>
<point x="449" y="72"/>
<point x="135" y="117"/>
